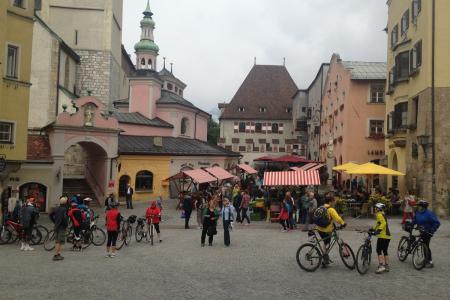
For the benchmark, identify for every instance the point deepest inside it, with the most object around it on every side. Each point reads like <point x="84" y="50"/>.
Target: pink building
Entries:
<point x="352" y="117"/>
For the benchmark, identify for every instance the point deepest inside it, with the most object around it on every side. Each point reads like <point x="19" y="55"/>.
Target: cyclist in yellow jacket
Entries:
<point x="384" y="237"/>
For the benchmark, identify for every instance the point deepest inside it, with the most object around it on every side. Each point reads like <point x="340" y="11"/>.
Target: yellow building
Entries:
<point x="16" y="34"/>
<point x="419" y="78"/>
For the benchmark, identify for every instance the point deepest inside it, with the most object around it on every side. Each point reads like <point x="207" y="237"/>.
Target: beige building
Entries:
<point x="417" y="110"/>
<point x="258" y="120"/>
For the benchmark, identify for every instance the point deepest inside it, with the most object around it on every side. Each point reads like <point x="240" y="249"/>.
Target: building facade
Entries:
<point x="16" y="35"/>
<point x="299" y="122"/>
<point x="418" y="78"/>
<point x="352" y="118"/>
<point x="258" y="120"/>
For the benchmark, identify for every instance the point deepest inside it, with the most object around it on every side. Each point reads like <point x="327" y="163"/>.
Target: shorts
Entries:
<point x="382" y="246"/>
<point x="60" y="236"/>
<point x="326" y="237"/>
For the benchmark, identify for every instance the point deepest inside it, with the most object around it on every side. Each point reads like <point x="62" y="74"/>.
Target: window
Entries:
<point x="400" y="117"/>
<point x="274" y="127"/>
<point x="241" y="109"/>
<point x="416" y="7"/>
<point x="242" y="148"/>
<point x="301" y="125"/>
<point x="416" y="57"/>
<point x="241" y="126"/>
<point x="377" y="93"/>
<point x="262" y="109"/>
<point x="6" y="132"/>
<point x="143" y="62"/>
<point x="303" y="109"/>
<point x="169" y="86"/>
<point x="19" y="3"/>
<point x="76" y="37"/>
<point x="12" y="62"/>
<point x="258" y="127"/>
<point x="144" y="181"/>
<point x="228" y="148"/>
<point x="150" y="64"/>
<point x="414" y="151"/>
<point x="415" y="109"/>
<point x="289" y="110"/>
<point x="402" y="66"/>
<point x="184" y="126"/>
<point x="376" y="127"/>
<point x="394" y="36"/>
<point x="176" y="89"/>
<point x="405" y="22"/>
<point x="268" y="147"/>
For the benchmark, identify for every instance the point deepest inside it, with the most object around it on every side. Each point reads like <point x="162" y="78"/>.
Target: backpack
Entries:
<point x="51" y="216"/>
<point x="320" y="217"/>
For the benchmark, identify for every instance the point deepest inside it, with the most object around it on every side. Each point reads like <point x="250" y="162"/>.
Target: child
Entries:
<point x="384" y="237"/>
<point x="284" y="216"/>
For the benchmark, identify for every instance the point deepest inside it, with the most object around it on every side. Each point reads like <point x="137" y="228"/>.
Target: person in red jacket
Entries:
<point x="284" y="216"/>
<point x="76" y="216"/>
<point x="113" y="219"/>
<point x="153" y="215"/>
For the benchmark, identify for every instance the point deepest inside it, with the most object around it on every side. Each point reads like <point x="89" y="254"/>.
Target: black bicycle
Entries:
<point x="144" y="230"/>
<point x="310" y="255"/>
<point x="125" y="232"/>
<point x="413" y="244"/>
<point x="98" y="234"/>
<point x="85" y="238"/>
<point x="364" y="254"/>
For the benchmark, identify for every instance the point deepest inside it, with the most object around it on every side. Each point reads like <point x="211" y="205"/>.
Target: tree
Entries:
<point x="213" y="131"/>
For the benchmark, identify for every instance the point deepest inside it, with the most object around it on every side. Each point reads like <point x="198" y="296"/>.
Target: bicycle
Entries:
<point x="85" y="234"/>
<point x="314" y="254"/>
<point x="126" y="232"/>
<point x="364" y="254"/>
<point x="413" y="244"/>
<point x="11" y="232"/>
<point x="98" y="234"/>
<point x="142" y="232"/>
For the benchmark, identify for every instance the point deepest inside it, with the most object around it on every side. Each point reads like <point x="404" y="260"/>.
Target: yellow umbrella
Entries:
<point x="345" y="167"/>
<point x="371" y="168"/>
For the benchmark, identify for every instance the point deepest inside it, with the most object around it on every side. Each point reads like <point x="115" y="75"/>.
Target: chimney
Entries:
<point x="157" y="141"/>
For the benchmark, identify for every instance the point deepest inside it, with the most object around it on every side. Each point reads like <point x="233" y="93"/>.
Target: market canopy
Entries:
<point x="316" y="167"/>
<point x="198" y="176"/>
<point x="371" y="168"/>
<point x="265" y="158"/>
<point x="292" y="178"/>
<point x="307" y="166"/>
<point x="247" y="169"/>
<point x="291" y="159"/>
<point x="219" y="173"/>
<point x="345" y="167"/>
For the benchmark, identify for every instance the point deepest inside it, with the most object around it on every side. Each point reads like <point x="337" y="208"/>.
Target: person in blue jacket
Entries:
<point x="430" y="223"/>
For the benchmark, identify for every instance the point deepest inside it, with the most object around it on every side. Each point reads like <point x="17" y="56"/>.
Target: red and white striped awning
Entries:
<point x="219" y="173"/>
<point x="295" y="168"/>
<point x="199" y="176"/>
<point x="292" y="178"/>
<point x="316" y="167"/>
<point x="247" y="169"/>
<point x="307" y="166"/>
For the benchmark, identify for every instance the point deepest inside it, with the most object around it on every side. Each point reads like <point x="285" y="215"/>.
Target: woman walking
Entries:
<point x="210" y="216"/>
<point x="284" y="215"/>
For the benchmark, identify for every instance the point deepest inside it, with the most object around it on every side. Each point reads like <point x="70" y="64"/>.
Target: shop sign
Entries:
<point x="204" y="163"/>
<point x="111" y="184"/>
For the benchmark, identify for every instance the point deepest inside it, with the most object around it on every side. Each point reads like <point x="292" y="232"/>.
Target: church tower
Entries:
<point x="146" y="49"/>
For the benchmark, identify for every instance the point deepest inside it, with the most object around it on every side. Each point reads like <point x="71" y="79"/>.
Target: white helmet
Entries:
<point x="380" y="206"/>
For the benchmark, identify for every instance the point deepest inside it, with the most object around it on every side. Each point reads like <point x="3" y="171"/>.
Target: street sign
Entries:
<point x="2" y="164"/>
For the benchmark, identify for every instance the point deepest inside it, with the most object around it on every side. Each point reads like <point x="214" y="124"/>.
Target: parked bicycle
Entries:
<point x="311" y="255"/>
<point x="125" y="232"/>
<point x="413" y="244"/>
<point x="11" y="232"/>
<point x="85" y="234"/>
<point x="144" y="230"/>
<point x="364" y="254"/>
<point x="98" y="234"/>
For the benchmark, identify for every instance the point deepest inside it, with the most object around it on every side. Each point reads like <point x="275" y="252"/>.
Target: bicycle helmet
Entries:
<point x="422" y="203"/>
<point x="380" y="206"/>
<point x="132" y="219"/>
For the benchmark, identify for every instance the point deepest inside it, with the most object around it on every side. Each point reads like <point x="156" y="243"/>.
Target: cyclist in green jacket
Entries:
<point x="384" y="237"/>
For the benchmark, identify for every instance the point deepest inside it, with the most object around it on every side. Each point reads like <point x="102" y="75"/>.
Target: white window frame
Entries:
<point x="404" y="22"/>
<point x="415" y="10"/>
<point x="24" y="4"/>
<point x="375" y="119"/>
<point x="18" y="61"/>
<point x="375" y="85"/>
<point x="13" y="132"/>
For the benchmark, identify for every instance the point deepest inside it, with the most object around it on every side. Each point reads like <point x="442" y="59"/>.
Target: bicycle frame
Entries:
<point x="334" y="237"/>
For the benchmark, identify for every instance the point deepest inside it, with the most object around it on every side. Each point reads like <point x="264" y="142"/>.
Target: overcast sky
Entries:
<point x="212" y="43"/>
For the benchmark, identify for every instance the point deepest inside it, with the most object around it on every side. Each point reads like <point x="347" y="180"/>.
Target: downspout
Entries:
<point x="433" y="114"/>
<point x="195" y="126"/>
<point x="57" y="80"/>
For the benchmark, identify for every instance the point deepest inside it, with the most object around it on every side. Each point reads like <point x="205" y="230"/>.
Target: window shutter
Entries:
<point x="269" y="127"/>
<point x="280" y="128"/>
<point x="236" y="127"/>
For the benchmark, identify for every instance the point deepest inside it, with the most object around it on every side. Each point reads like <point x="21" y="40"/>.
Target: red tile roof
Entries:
<point x="266" y="86"/>
<point x="38" y="148"/>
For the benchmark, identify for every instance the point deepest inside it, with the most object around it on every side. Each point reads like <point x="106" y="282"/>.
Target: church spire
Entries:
<point x="146" y="49"/>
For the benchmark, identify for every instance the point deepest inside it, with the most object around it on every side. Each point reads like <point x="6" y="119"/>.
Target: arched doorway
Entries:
<point x="85" y="170"/>
<point x="37" y="191"/>
<point x="123" y="183"/>
<point x="394" y="167"/>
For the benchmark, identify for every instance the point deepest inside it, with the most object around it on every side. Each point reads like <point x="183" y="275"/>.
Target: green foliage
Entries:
<point x="377" y="198"/>
<point x="213" y="131"/>
<point x="340" y="205"/>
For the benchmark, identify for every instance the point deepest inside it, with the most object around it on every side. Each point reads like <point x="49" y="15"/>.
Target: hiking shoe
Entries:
<point x="58" y="257"/>
<point x="113" y="255"/>
<point x="386" y="268"/>
<point x="160" y="241"/>
<point x="107" y="255"/>
<point x="380" y="270"/>
<point x="429" y="265"/>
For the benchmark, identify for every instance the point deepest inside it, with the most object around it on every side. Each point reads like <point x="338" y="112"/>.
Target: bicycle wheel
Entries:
<point x="419" y="256"/>
<point x="98" y="236"/>
<point x="121" y="239"/>
<point x="347" y="256"/>
<point x="36" y="236"/>
<point x="14" y="235"/>
<point x="5" y="235"/>
<point x="49" y="241"/>
<point x="309" y="257"/>
<point x="128" y="235"/>
<point x="363" y="259"/>
<point x="139" y="233"/>
<point x="151" y="235"/>
<point x="86" y="238"/>
<point x="402" y="250"/>
<point x="44" y="232"/>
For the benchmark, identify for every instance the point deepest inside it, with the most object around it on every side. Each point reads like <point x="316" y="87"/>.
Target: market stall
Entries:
<point x="185" y="180"/>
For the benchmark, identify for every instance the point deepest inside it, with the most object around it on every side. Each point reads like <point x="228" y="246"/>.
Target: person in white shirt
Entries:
<point x="227" y="214"/>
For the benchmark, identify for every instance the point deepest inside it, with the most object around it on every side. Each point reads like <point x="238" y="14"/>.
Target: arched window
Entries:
<point x="184" y="126"/>
<point x="143" y="62"/>
<point x="144" y="181"/>
<point x="150" y="64"/>
<point x="169" y="86"/>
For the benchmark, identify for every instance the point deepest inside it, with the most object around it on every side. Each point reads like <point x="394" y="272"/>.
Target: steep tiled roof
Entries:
<point x="38" y="148"/>
<point x="170" y="146"/>
<point x="366" y="70"/>
<point x="269" y="87"/>
<point x="138" y="119"/>
<point x="172" y="98"/>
